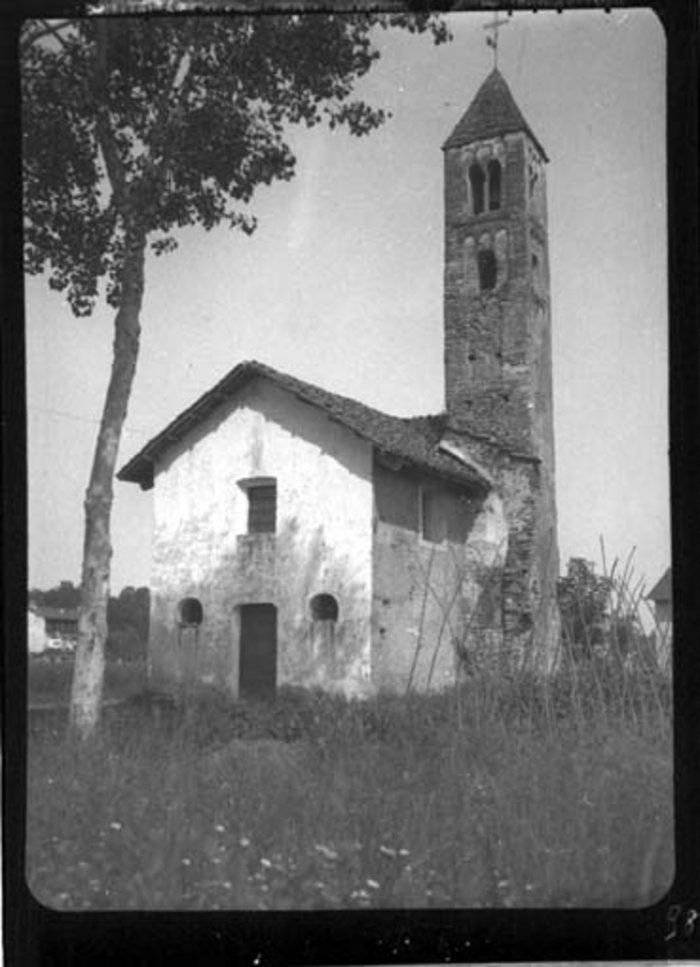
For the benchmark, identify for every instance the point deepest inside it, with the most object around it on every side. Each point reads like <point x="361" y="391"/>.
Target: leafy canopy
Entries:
<point x="134" y="127"/>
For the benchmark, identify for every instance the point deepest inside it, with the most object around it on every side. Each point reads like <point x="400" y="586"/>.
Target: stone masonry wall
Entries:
<point x="498" y="373"/>
<point x="527" y="563"/>
<point x="497" y="356"/>
<point x="434" y="603"/>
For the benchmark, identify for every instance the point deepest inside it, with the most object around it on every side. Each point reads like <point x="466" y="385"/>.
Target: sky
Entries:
<point x="342" y="285"/>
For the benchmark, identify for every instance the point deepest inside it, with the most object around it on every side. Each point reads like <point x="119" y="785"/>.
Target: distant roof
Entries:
<point x="413" y="440"/>
<point x="662" y="590"/>
<point x="58" y="614"/>
<point x="493" y="112"/>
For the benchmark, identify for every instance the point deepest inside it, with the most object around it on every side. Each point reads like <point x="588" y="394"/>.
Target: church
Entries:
<point x="303" y="538"/>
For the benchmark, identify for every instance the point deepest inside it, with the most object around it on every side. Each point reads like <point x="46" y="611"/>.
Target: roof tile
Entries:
<point x="493" y="112"/>
<point x="411" y="439"/>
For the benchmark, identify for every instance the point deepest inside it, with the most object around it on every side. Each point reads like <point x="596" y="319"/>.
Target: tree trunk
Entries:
<point x="88" y="676"/>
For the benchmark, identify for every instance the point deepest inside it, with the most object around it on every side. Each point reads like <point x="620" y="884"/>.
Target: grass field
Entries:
<point x="49" y="680"/>
<point x="501" y="793"/>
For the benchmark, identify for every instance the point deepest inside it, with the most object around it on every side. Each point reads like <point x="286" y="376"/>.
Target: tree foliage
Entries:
<point x="173" y="122"/>
<point x="583" y="599"/>
<point x="127" y="623"/>
<point x="599" y="614"/>
<point x="134" y="128"/>
<point x="130" y="610"/>
<point x="65" y="595"/>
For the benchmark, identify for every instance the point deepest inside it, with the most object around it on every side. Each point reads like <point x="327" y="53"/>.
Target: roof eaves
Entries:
<point x="662" y="590"/>
<point x="140" y="468"/>
<point x="462" y="475"/>
<point x="413" y="440"/>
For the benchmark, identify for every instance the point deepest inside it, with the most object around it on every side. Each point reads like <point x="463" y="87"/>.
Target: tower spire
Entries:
<point x="492" y="41"/>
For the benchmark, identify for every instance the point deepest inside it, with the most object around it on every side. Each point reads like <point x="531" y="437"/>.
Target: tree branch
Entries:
<point x="43" y="29"/>
<point x="116" y="173"/>
<point x="157" y="170"/>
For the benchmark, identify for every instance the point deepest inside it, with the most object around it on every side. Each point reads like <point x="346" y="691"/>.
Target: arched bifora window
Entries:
<point x="190" y="612"/>
<point x="324" y="607"/>
<point x="488" y="269"/>
<point x="477" y="180"/>
<point x="494" y="171"/>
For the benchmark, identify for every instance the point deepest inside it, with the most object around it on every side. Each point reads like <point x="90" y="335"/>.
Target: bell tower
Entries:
<point x="497" y="322"/>
<point x="498" y="367"/>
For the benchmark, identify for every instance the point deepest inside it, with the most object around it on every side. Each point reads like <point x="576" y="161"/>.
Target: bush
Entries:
<point x="125" y="644"/>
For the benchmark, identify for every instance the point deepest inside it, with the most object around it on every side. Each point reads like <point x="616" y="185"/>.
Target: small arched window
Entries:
<point x="477" y="180"/>
<point x="324" y="607"/>
<point x="190" y="612"/>
<point x="488" y="269"/>
<point x="324" y="614"/>
<point x="494" y="170"/>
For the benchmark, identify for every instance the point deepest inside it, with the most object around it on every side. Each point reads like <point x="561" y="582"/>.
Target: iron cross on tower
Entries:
<point x="495" y="25"/>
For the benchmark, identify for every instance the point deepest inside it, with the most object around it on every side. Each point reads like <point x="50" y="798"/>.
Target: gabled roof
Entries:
<point x="662" y="590"/>
<point x="492" y="113"/>
<point x="412" y="440"/>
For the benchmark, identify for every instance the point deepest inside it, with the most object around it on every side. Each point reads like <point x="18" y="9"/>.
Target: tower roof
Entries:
<point x="493" y="112"/>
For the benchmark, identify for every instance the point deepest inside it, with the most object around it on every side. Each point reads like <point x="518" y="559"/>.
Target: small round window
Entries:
<point x="324" y="607"/>
<point x="190" y="612"/>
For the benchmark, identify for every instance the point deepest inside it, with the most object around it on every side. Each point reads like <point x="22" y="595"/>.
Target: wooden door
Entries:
<point x="258" y="659"/>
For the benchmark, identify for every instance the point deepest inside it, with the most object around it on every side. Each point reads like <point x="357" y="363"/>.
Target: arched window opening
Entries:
<point x="477" y="180"/>
<point x="324" y="607"/>
<point x="536" y="271"/>
<point x="494" y="170"/>
<point x="190" y="612"/>
<point x="488" y="269"/>
<point x="324" y="614"/>
<point x="532" y="179"/>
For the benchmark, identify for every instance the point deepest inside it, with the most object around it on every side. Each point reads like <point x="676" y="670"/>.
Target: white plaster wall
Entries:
<point x="36" y="632"/>
<point x="322" y="544"/>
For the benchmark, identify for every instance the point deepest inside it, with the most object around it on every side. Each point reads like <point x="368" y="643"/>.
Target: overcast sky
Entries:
<point x="342" y="285"/>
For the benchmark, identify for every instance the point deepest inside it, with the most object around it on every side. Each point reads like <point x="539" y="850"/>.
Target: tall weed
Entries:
<point x="511" y="789"/>
<point x="523" y="797"/>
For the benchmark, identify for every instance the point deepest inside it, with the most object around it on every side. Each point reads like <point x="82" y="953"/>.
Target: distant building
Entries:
<point x="51" y="629"/>
<point x="36" y="631"/>
<point x="661" y="595"/>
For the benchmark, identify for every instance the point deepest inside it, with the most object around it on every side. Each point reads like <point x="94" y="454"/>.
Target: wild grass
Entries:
<point x="50" y="678"/>
<point x="509" y="790"/>
<point x="519" y="792"/>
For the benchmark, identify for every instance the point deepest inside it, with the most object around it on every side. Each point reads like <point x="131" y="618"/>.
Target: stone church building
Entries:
<point x="304" y="538"/>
